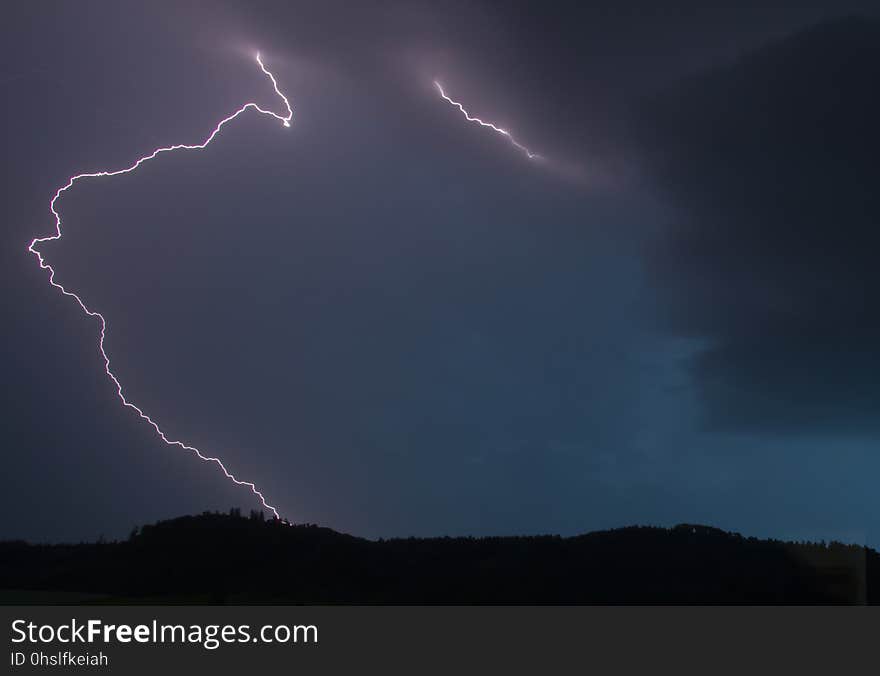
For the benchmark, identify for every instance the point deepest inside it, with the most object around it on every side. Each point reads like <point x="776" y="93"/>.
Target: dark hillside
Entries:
<point x="227" y="558"/>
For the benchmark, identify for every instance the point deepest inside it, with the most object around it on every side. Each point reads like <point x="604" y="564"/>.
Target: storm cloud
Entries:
<point x="771" y="260"/>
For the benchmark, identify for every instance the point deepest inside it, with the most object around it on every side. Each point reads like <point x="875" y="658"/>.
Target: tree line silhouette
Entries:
<point x="228" y="558"/>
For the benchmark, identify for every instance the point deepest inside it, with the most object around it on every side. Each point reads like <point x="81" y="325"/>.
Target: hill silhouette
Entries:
<point x="227" y="558"/>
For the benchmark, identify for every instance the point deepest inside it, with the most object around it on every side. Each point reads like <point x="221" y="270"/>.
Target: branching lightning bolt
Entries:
<point x="491" y="126"/>
<point x="33" y="248"/>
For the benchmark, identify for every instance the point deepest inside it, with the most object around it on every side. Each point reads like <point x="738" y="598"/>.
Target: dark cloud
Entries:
<point x="771" y="167"/>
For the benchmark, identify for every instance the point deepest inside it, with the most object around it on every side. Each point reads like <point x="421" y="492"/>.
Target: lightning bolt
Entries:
<point x="33" y="248"/>
<point x="491" y="126"/>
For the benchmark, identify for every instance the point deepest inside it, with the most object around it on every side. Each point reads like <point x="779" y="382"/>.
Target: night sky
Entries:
<point x="395" y="323"/>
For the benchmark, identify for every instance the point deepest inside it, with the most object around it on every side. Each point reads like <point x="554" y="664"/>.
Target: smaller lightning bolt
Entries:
<point x="495" y="128"/>
<point x="286" y="118"/>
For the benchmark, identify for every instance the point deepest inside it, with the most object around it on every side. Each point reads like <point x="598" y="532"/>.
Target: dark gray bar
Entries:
<point x="464" y="640"/>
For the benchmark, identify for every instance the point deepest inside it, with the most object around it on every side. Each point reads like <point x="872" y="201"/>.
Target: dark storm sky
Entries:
<point x="394" y="323"/>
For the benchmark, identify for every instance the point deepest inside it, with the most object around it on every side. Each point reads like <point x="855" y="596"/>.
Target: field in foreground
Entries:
<point x="217" y="558"/>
